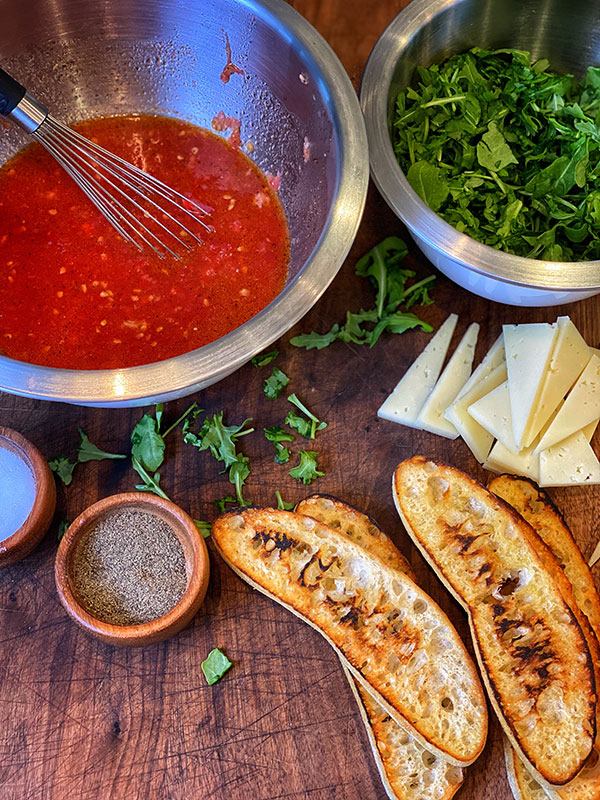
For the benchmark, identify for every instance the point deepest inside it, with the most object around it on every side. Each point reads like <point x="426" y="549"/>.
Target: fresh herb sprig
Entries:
<point x="382" y="266"/>
<point x="507" y="151"/>
<point x="305" y="427"/>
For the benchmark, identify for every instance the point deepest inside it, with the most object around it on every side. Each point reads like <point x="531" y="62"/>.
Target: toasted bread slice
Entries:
<point x="524" y="786"/>
<point x="534" y="657"/>
<point x="408" y="771"/>
<point x="534" y="505"/>
<point x="357" y="526"/>
<point x="396" y="641"/>
<point x="539" y="511"/>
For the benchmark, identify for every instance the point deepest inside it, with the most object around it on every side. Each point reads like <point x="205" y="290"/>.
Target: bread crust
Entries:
<point x="386" y="628"/>
<point x="534" y="657"/>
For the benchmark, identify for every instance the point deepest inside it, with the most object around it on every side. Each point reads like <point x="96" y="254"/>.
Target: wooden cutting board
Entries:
<point x="80" y="720"/>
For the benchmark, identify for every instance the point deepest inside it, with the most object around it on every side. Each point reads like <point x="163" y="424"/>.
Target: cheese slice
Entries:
<point x="581" y="406"/>
<point x="493" y="412"/>
<point x="501" y="459"/>
<point x="451" y="381"/>
<point x="408" y="398"/>
<point x="492" y="359"/>
<point x="570" y="462"/>
<point x="477" y="439"/>
<point x="568" y="360"/>
<point x="528" y="350"/>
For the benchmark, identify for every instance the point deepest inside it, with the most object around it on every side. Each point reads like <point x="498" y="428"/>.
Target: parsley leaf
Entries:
<point x="275" y="383"/>
<point x="381" y="266"/>
<point x="205" y="528"/>
<point x="282" y="505"/>
<point x="63" y="467"/>
<point x="304" y="427"/>
<point x="262" y="359"/>
<point x="215" y="666"/>
<point x="306" y="471"/>
<point x="89" y="452"/>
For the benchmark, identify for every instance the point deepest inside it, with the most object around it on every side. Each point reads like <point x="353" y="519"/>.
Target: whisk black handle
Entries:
<point x="11" y="93"/>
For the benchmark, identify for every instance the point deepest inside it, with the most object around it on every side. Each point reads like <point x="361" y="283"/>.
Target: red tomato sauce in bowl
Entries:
<point x="74" y="294"/>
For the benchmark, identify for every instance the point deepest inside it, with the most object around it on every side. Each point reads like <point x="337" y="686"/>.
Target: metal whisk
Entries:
<point x="143" y="209"/>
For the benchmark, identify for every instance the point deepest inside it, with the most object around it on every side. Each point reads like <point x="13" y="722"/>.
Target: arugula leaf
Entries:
<point x="275" y="383"/>
<point x="151" y="483"/>
<point x="62" y="528"/>
<point x="278" y="435"/>
<point x="89" y="452"/>
<point x="281" y="504"/>
<point x="306" y="471"/>
<point x="148" y="445"/>
<point x="215" y="666"/>
<point x="262" y="359"/>
<point x="382" y="266"/>
<point x="184" y="416"/>
<point x="493" y="152"/>
<point x="238" y="472"/>
<point x="220" y="504"/>
<point x="297" y="422"/>
<point x="205" y="528"/>
<point x="429" y="183"/>
<point x="63" y="467"/>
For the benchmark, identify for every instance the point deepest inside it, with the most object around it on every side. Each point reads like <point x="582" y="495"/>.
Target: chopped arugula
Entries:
<point x="205" y="528"/>
<point x="151" y="483"/>
<point x="89" y="452"/>
<point x="62" y="528"/>
<point x="281" y="504"/>
<point x="305" y="427"/>
<point x="221" y="504"/>
<point x="275" y="383"/>
<point x="278" y="435"/>
<point x="63" y="467"/>
<point x="306" y="471"/>
<point x="215" y="666"/>
<point x="381" y="266"/>
<point x="262" y="359"/>
<point x="221" y="440"/>
<point x="507" y="151"/>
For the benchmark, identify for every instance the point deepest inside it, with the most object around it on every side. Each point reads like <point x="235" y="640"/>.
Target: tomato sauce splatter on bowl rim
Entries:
<point x="74" y="295"/>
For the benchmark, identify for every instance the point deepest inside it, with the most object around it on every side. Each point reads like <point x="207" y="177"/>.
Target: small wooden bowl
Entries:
<point x="31" y="532"/>
<point x="196" y="566"/>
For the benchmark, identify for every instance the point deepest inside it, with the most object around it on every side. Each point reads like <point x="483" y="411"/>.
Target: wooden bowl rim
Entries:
<point x="192" y="542"/>
<point x="40" y="516"/>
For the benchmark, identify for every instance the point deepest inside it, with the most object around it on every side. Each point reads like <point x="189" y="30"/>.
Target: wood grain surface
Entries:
<point x="81" y="720"/>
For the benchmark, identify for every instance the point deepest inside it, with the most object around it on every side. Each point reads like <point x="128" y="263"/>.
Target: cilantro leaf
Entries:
<point x="306" y="471"/>
<point x="205" y="528"/>
<point x="281" y="504"/>
<point x="89" y="452"/>
<point x="215" y="666"/>
<point x="275" y="383"/>
<point x="262" y="359"/>
<point x="63" y="467"/>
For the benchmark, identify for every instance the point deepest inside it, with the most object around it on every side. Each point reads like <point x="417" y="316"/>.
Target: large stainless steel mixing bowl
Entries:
<point x="565" y="31"/>
<point x="87" y="58"/>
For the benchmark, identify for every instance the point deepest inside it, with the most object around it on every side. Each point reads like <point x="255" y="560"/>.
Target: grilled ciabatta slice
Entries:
<point x="534" y="657"/>
<point x="356" y="526"/>
<point x="395" y="639"/>
<point x="408" y="771"/>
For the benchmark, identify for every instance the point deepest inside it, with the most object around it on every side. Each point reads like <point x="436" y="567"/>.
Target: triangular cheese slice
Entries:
<point x="568" y="359"/>
<point x="493" y="413"/>
<point x="581" y="407"/>
<point x="477" y="439"/>
<point x="525" y="463"/>
<point x="408" y="398"/>
<point x="571" y="462"/>
<point x="528" y="351"/>
<point x="492" y="359"/>
<point x="451" y="381"/>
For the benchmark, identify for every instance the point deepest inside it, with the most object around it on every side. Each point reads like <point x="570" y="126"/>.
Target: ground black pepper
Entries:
<point x="129" y="568"/>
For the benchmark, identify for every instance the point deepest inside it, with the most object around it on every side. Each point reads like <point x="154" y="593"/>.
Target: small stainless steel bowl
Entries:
<point x="566" y="32"/>
<point x="85" y="58"/>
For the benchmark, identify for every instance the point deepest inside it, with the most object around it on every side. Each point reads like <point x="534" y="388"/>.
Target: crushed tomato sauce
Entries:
<point x="73" y="294"/>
